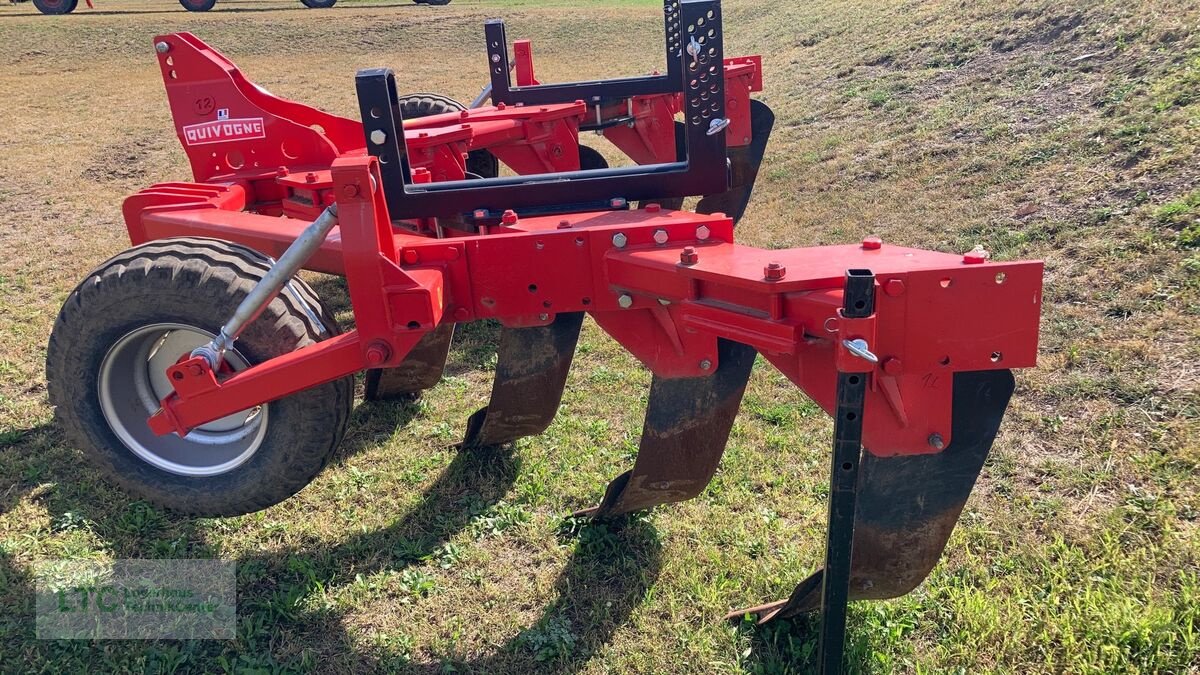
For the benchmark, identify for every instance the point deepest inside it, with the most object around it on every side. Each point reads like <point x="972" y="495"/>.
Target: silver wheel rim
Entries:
<point x="133" y="380"/>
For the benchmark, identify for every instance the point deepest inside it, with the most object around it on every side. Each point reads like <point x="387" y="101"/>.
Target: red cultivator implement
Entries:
<point x="203" y="375"/>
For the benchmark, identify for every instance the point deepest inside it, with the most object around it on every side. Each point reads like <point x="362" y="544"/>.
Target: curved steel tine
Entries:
<point x="531" y="371"/>
<point x="908" y="505"/>
<point x="688" y="421"/>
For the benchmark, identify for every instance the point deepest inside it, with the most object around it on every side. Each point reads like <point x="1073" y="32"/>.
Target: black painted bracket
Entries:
<point x="704" y="171"/>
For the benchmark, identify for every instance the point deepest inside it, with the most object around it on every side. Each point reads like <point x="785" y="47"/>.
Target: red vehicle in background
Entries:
<point x="68" y="6"/>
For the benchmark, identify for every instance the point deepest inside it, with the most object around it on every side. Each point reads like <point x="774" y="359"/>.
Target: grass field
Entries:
<point x="1039" y="129"/>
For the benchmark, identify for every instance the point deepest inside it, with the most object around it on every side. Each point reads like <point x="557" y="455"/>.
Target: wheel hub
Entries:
<point x="133" y="380"/>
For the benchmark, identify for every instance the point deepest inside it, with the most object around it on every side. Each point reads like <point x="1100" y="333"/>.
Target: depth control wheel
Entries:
<point x="142" y="311"/>
<point x="197" y="5"/>
<point x="318" y="4"/>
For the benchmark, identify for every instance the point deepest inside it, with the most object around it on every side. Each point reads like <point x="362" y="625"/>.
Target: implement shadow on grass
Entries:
<point x="612" y="568"/>
<point x="272" y="585"/>
<point x="790" y="646"/>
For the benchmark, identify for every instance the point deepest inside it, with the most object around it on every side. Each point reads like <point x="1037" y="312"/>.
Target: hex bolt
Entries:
<point x="705" y="364"/>
<point x="618" y="202"/>
<point x="378" y="353"/>
<point x="564" y="224"/>
<point x="894" y="288"/>
<point x="774" y="271"/>
<point x="162" y="47"/>
<point x="543" y="317"/>
<point x="703" y="233"/>
<point x="509" y="217"/>
<point x="660" y="237"/>
<point x="310" y="177"/>
<point x="462" y="314"/>
<point x="653" y="207"/>
<point x="411" y="257"/>
<point x="625" y="301"/>
<point x="350" y="191"/>
<point x="689" y="256"/>
<point x="872" y="243"/>
<point x="936" y="441"/>
<point x="619" y="240"/>
<point x="379" y="137"/>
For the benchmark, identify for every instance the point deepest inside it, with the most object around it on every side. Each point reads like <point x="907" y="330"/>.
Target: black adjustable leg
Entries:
<point x="859" y="302"/>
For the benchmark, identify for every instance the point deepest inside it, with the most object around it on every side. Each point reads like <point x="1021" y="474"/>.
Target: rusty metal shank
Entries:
<point x="908" y="505"/>
<point x="421" y="369"/>
<point x="687" y="425"/>
<point x="531" y="371"/>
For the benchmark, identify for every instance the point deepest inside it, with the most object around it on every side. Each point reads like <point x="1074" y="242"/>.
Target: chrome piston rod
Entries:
<point x="268" y="287"/>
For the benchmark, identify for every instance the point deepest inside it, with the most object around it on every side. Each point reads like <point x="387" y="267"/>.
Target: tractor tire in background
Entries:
<point x="590" y="158"/>
<point x="438" y="3"/>
<point x="55" y="6"/>
<point x="140" y="312"/>
<point x="479" y="162"/>
<point x="197" y="5"/>
<point x="318" y="4"/>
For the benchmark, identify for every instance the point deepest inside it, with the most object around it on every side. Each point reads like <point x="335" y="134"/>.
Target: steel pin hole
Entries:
<point x="846" y="466"/>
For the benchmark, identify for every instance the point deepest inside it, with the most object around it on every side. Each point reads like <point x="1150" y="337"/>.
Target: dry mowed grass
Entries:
<point x="1036" y="128"/>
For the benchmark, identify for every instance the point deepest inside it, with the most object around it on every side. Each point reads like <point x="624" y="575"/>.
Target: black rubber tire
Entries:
<point x="438" y="3"/>
<point x="479" y="162"/>
<point x="318" y="4"/>
<point x="590" y="158"/>
<point x="198" y="282"/>
<point x="197" y="5"/>
<point x="56" y="6"/>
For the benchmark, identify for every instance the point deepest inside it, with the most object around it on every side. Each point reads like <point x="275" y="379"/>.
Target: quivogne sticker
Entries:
<point x="219" y="131"/>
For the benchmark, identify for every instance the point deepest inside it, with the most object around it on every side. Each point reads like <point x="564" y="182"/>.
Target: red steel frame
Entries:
<point x="937" y="313"/>
<point x="674" y="284"/>
<point x="282" y="150"/>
